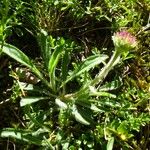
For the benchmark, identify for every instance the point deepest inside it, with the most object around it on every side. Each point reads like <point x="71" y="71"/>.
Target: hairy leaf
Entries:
<point x="30" y="100"/>
<point x="16" y="54"/>
<point x="89" y="63"/>
<point x="110" y="143"/>
<point x="19" y="56"/>
<point x="53" y="63"/>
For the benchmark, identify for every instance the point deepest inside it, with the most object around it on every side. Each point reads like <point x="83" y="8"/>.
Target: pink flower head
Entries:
<point x="123" y="40"/>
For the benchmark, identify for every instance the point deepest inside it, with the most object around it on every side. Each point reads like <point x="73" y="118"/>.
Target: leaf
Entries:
<point x="109" y="102"/>
<point x="65" y="62"/>
<point x="19" y="56"/>
<point x="79" y="117"/>
<point x="111" y="85"/>
<point x="43" y="43"/>
<point x="104" y="94"/>
<point x="46" y="44"/>
<point x="110" y="143"/>
<point x="88" y="104"/>
<point x="26" y="136"/>
<point x="83" y="115"/>
<point x="89" y="63"/>
<point x="53" y="63"/>
<point x="60" y="103"/>
<point x="16" y="54"/>
<point x="20" y="135"/>
<point x="30" y="100"/>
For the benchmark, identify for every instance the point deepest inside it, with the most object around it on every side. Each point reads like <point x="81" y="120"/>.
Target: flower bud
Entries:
<point x="124" y="41"/>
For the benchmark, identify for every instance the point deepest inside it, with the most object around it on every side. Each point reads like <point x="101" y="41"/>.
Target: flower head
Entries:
<point x="124" y="41"/>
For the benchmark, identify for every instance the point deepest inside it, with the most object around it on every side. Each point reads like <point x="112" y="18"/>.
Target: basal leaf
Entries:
<point x="111" y="85"/>
<point x="19" y="56"/>
<point x="82" y="115"/>
<point x="30" y="100"/>
<point x="65" y="62"/>
<point x="88" y="104"/>
<point x="110" y="143"/>
<point x="46" y="44"/>
<point x="16" y="54"/>
<point x="53" y="63"/>
<point x="89" y="63"/>
<point x="94" y="92"/>
<point x="60" y="103"/>
<point x="80" y="118"/>
<point x="26" y="136"/>
<point x="20" y="135"/>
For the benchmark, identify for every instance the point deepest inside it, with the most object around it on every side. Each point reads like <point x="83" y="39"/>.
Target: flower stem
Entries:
<point x="103" y="73"/>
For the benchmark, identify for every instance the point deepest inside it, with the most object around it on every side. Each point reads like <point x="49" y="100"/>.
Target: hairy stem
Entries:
<point x="103" y="73"/>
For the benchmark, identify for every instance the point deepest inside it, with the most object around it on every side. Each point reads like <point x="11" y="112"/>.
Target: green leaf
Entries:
<point x="20" y="135"/>
<point x="109" y="102"/>
<point x="60" y="103"/>
<point x="19" y="56"/>
<point x="111" y="85"/>
<point x="65" y="62"/>
<point x="53" y="63"/>
<point x="88" y="104"/>
<point x="93" y="92"/>
<point x="110" y="143"/>
<point x="30" y="100"/>
<point x="16" y="54"/>
<point x="46" y="43"/>
<point x="26" y="136"/>
<point x="103" y="94"/>
<point x="79" y="117"/>
<point x="89" y="63"/>
<point x="82" y="115"/>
